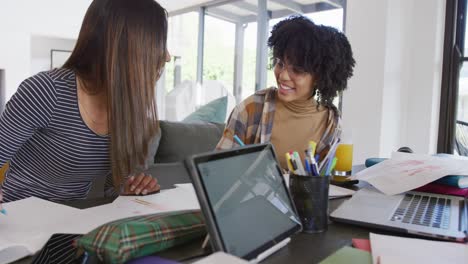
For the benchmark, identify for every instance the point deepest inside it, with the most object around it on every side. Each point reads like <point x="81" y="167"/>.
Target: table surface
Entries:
<point x="303" y="248"/>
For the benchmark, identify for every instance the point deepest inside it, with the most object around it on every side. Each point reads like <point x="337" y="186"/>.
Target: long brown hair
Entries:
<point x="121" y="50"/>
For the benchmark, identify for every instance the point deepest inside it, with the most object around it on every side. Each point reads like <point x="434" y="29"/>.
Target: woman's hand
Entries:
<point x="141" y="184"/>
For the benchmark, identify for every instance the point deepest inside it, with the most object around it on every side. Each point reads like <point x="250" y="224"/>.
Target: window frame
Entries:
<point x="454" y="43"/>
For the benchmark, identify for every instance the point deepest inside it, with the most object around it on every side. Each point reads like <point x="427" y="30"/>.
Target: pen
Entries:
<point x="312" y="147"/>
<point x="2" y="210"/>
<point x="315" y="168"/>
<point x="239" y="141"/>
<point x="300" y="167"/>
<point x="294" y="165"/>
<point x="312" y="162"/>
<point x="331" y="165"/>
<point x="291" y="161"/>
<point x="205" y="242"/>
<point x="307" y="166"/>
<point x="288" y="161"/>
<point x="335" y="160"/>
<point x="328" y="158"/>
<point x="84" y="260"/>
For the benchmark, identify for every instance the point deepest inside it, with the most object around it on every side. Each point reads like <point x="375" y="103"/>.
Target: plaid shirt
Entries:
<point x="252" y="122"/>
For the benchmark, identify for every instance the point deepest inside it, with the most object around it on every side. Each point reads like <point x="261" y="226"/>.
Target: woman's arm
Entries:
<point x="236" y="125"/>
<point x="28" y="110"/>
<point x="141" y="183"/>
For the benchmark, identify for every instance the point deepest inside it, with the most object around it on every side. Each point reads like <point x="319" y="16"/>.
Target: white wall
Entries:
<point x="2" y="89"/>
<point x="426" y="58"/>
<point x="362" y="102"/>
<point x="41" y="48"/>
<point x="393" y="98"/>
<point x="22" y="19"/>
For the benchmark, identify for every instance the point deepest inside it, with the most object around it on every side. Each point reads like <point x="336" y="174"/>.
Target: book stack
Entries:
<point x="450" y="185"/>
<point x="385" y="249"/>
<point x="458" y="181"/>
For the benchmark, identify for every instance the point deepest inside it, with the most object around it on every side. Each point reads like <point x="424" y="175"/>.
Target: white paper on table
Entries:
<point x="221" y="257"/>
<point x="30" y="222"/>
<point x="406" y="171"/>
<point x="337" y="192"/>
<point x="392" y="249"/>
<point x="176" y="199"/>
<point x="28" y="225"/>
<point x="186" y="186"/>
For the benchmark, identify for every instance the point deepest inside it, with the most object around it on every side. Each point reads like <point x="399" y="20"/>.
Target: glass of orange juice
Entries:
<point x="344" y="163"/>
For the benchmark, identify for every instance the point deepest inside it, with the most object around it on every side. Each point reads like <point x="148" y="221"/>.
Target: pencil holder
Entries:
<point x="310" y="196"/>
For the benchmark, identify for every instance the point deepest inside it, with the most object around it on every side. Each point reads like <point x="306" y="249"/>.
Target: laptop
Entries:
<point x="424" y="214"/>
<point x="247" y="207"/>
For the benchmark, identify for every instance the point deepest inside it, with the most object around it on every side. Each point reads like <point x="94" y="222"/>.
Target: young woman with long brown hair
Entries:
<point x="94" y="117"/>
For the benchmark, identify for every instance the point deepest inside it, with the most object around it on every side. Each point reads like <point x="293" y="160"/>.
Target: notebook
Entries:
<point x="245" y="201"/>
<point x="424" y="214"/>
<point x="347" y="255"/>
<point x="29" y="224"/>
<point x="402" y="250"/>
<point x="459" y="181"/>
<point x="32" y="221"/>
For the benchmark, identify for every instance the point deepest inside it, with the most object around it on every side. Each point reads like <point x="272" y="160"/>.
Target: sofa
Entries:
<point x="178" y="141"/>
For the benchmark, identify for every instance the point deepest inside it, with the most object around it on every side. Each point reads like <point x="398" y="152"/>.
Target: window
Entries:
<point x="454" y="92"/>
<point x="182" y="45"/>
<point x="229" y="53"/>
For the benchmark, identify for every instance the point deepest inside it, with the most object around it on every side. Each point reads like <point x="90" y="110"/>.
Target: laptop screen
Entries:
<point x="248" y="199"/>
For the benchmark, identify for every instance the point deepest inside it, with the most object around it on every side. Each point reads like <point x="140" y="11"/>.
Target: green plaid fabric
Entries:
<point x="125" y="239"/>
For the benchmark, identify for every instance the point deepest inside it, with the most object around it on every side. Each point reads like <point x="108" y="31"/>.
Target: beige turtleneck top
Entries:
<point x="295" y="124"/>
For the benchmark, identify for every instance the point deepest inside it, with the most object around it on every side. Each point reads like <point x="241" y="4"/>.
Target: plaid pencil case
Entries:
<point x="122" y="240"/>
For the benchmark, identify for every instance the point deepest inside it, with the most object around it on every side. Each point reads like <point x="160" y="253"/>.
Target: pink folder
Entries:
<point x="443" y="189"/>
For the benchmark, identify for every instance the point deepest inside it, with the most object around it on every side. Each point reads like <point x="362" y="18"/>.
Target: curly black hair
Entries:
<point x="320" y="50"/>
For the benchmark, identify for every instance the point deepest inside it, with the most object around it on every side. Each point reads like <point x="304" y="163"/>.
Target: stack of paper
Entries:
<point x="335" y="192"/>
<point x="221" y="257"/>
<point x="31" y="222"/>
<point x="392" y="249"/>
<point x="404" y="172"/>
<point x="127" y="206"/>
<point x="381" y="249"/>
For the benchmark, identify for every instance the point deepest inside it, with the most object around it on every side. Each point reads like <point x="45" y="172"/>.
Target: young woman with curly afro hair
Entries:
<point x="312" y="64"/>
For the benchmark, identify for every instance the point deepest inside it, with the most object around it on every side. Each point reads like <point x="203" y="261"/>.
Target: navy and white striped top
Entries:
<point x="53" y="154"/>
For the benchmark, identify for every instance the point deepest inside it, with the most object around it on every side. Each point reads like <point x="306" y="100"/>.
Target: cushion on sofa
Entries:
<point x="214" y="111"/>
<point x="180" y="140"/>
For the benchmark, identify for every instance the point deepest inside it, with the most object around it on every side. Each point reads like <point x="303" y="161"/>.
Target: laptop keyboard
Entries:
<point x="423" y="210"/>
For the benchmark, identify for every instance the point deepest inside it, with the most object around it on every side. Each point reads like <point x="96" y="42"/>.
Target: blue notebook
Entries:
<point x="454" y="180"/>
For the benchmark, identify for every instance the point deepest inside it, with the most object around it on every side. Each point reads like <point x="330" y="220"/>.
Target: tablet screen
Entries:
<point x="249" y="201"/>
